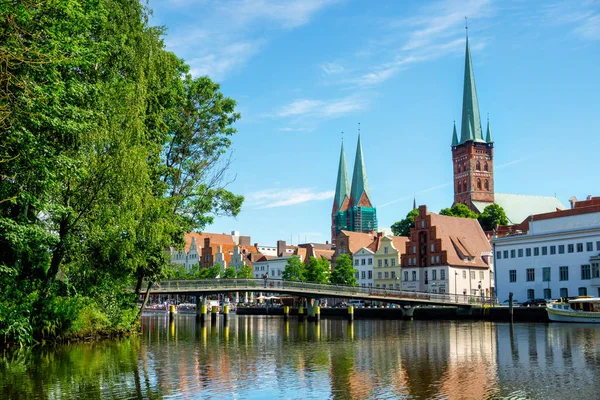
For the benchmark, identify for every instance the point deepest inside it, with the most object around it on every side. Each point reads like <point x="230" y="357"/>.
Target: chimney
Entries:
<point x="573" y="201"/>
<point x="280" y="248"/>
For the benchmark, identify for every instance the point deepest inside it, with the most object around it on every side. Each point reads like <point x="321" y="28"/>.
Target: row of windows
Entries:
<point x="587" y="272"/>
<point x="363" y="261"/>
<point x="564" y="292"/>
<point x="463" y="167"/>
<point x="462" y="186"/>
<point x="386" y="275"/>
<point x="391" y="286"/>
<point x="536" y="251"/>
<point x="433" y="275"/>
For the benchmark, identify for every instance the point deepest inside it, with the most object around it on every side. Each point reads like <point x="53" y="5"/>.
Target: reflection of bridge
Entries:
<point x="311" y="290"/>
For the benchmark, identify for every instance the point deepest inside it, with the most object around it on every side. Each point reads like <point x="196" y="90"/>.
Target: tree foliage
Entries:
<point x="402" y="227"/>
<point x="318" y="270"/>
<point x="294" y="270"/>
<point x="109" y="152"/>
<point x="344" y="272"/>
<point x="244" y="273"/>
<point x="459" y="210"/>
<point x="491" y="217"/>
<point x="230" y="273"/>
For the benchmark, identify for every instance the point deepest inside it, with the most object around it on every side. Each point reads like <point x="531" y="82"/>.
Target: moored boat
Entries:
<point x="581" y="309"/>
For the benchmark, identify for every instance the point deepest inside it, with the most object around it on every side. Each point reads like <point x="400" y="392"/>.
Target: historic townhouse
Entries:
<point x="447" y="255"/>
<point x="551" y="255"/>
<point x="387" y="262"/>
<point x="363" y="260"/>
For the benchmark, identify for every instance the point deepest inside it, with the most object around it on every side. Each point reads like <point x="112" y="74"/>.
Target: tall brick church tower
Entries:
<point x="472" y="155"/>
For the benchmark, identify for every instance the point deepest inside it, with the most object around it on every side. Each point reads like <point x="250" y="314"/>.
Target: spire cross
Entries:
<point x="467" y="25"/>
<point x="359" y="129"/>
<point x="342" y="136"/>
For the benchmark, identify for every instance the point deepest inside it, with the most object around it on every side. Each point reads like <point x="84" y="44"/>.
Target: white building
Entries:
<point x="551" y="255"/>
<point x="274" y="266"/>
<point x="363" y="264"/>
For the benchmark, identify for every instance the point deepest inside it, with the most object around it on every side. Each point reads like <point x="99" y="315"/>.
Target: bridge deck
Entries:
<point x="307" y="289"/>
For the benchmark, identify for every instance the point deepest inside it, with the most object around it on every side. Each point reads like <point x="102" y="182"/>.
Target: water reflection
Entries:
<point x="266" y="357"/>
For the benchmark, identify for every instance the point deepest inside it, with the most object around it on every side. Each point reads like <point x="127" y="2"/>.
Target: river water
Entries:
<point x="253" y="357"/>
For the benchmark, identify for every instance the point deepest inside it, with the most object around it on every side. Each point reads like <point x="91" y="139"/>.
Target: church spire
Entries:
<point x="359" y="177"/>
<point x="342" y="187"/>
<point x="488" y="135"/>
<point x="454" y="136"/>
<point x="471" y="124"/>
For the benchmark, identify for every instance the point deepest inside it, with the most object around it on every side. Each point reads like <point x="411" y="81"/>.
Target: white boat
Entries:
<point x="581" y="309"/>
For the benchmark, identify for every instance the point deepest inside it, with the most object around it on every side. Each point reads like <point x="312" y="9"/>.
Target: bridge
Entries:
<point x="312" y="290"/>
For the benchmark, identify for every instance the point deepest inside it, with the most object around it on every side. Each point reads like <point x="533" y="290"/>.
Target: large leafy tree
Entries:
<point x="402" y="227"/>
<point x="491" y="217"/>
<point x="318" y="270"/>
<point x="244" y="273"/>
<point x="230" y="273"/>
<point x="459" y="210"/>
<point x="344" y="272"/>
<point x="294" y="270"/>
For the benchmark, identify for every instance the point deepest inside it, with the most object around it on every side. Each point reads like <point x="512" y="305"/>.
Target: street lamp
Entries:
<point x="455" y="279"/>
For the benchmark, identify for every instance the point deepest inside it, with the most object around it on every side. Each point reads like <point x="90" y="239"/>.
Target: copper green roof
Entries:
<point x="471" y="124"/>
<point x="359" y="176"/>
<point x="342" y="187"/>
<point x="454" y="137"/>
<point x="488" y="136"/>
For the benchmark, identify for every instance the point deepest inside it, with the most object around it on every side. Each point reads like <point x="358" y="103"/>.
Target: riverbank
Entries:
<point x="499" y="314"/>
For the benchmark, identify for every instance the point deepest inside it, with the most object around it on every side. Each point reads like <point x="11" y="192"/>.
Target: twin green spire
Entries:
<point x="342" y="188"/>
<point x="359" y="176"/>
<point x="470" y="129"/>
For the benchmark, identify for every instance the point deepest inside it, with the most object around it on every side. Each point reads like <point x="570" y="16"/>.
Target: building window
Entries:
<point x="564" y="292"/>
<point x="582" y="291"/>
<point x="370" y="274"/>
<point x="442" y="274"/>
<point x="437" y="259"/>
<point x="434" y="275"/>
<point x="589" y="246"/>
<point x="512" y="275"/>
<point x="363" y="274"/>
<point x="385" y="250"/>
<point x="356" y="274"/>
<point x="432" y="259"/>
<point x="379" y="263"/>
<point x="426" y="278"/>
<point x="478" y="166"/>
<point x="528" y="252"/>
<point x="579" y="247"/>
<point x="464" y="274"/>
<point x="422" y="224"/>
<point x="544" y="250"/>
<point x="499" y="255"/>
<point x="385" y="262"/>
<point x="546" y="274"/>
<point x="414" y="275"/>
<point x="536" y="251"/>
<point x="552" y="250"/>
<point x="505" y="254"/>
<point x="393" y="275"/>
<point x="414" y="250"/>
<point x="564" y="273"/>
<point x="512" y="253"/>
<point x="485" y="166"/>
<point x="481" y="275"/>
<point x="586" y="272"/>
<point x="486" y="185"/>
<point x="561" y="249"/>
<point x="406" y="276"/>
<point x="472" y="274"/>
<point x="571" y="248"/>
<point x="363" y="261"/>
<point x="530" y="294"/>
<point x="598" y="245"/>
<point x="520" y="252"/>
<point x="478" y="184"/>
<point x="432" y="247"/>
<point x="370" y="261"/>
<point x="377" y="285"/>
<point x="530" y="274"/>
<point x="393" y="262"/>
<point x="387" y="275"/>
<point x="595" y="270"/>
<point x="379" y="275"/>
<point x="356" y="261"/>
<point x="547" y="293"/>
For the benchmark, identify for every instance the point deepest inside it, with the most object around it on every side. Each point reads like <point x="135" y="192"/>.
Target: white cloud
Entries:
<point x="322" y="108"/>
<point x="286" y="197"/>
<point x="583" y="16"/>
<point x="332" y="68"/>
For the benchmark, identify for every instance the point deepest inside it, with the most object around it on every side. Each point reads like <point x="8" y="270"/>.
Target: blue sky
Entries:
<point x="304" y="71"/>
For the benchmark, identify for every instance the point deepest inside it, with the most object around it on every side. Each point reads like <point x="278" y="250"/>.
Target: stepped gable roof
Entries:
<point x="463" y="240"/>
<point x="215" y="238"/>
<point x="301" y="252"/>
<point x="356" y="240"/>
<point x="518" y="207"/>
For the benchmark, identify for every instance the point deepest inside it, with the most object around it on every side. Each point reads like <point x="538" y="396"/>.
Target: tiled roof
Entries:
<point x="356" y="240"/>
<point x="518" y="207"/>
<point x="400" y="243"/>
<point x="326" y="254"/>
<point x="215" y="238"/>
<point x="463" y="240"/>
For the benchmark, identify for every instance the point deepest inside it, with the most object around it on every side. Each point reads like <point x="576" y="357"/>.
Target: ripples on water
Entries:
<point x="264" y="358"/>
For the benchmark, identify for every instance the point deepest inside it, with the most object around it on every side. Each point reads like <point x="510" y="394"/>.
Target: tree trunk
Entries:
<point x="145" y="301"/>
<point x="58" y="254"/>
<point x="140" y="280"/>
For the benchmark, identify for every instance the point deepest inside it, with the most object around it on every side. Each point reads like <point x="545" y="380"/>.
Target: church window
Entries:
<point x="486" y="185"/>
<point x="485" y="166"/>
<point x="478" y="166"/>
<point x="478" y="184"/>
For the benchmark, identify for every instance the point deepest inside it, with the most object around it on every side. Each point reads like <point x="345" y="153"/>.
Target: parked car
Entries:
<point x="506" y="303"/>
<point x="356" y="303"/>
<point x="535" y="303"/>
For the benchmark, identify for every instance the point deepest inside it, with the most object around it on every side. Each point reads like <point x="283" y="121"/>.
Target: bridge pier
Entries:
<point x="214" y="313"/>
<point x="300" y="313"/>
<point x="201" y="309"/>
<point x="314" y="311"/>
<point x="408" y="312"/>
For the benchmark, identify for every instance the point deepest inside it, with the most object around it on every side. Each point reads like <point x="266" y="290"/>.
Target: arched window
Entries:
<point x="465" y="187"/>
<point x="486" y="185"/>
<point x="458" y="187"/>
<point x="485" y="166"/>
<point x="478" y="166"/>
<point x="478" y="184"/>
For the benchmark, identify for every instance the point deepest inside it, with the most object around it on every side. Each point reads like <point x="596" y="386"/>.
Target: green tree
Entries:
<point x="344" y="272"/>
<point x="216" y="271"/>
<point x="402" y="227"/>
<point x="230" y="273"/>
<point x="245" y="272"/>
<point x="318" y="270"/>
<point x="294" y="270"/>
<point x="459" y="210"/>
<point x="492" y="216"/>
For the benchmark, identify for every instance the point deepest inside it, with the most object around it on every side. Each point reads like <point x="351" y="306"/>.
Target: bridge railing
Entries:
<point x="314" y="288"/>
